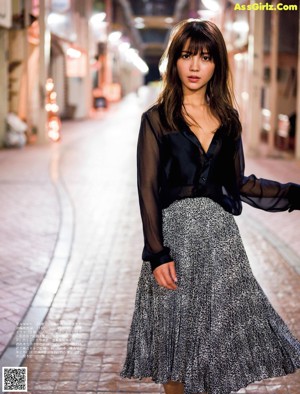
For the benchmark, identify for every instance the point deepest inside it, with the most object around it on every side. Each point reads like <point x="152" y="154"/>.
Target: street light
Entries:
<point x="114" y="36"/>
<point x="53" y="120"/>
<point x="211" y="5"/>
<point x="96" y="19"/>
<point x="73" y="53"/>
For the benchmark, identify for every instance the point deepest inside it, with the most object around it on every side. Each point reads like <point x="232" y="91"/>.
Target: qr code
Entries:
<point x="14" y="379"/>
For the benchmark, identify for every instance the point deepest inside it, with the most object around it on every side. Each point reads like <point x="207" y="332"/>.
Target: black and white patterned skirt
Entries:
<point x="217" y="332"/>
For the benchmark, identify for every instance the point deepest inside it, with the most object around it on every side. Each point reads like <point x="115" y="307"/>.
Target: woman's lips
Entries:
<point x="192" y="78"/>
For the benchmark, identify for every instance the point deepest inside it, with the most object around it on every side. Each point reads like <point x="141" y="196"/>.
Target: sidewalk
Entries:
<point x="71" y="214"/>
<point x="29" y="225"/>
<point x="283" y="225"/>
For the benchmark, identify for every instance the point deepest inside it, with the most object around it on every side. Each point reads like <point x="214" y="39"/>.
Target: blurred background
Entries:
<point x="64" y="59"/>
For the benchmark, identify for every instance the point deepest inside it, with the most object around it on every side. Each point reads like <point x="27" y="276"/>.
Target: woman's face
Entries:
<point x="194" y="71"/>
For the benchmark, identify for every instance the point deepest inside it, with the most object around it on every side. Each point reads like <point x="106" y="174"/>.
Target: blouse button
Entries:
<point x="203" y="179"/>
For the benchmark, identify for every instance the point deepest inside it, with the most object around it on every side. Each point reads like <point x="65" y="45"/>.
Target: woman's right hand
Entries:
<point x="165" y="275"/>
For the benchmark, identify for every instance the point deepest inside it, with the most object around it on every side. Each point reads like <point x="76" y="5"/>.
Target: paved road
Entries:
<point x="71" y="223"/>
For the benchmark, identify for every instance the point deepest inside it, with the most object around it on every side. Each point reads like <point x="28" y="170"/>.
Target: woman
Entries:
<point x="201" y="321"/>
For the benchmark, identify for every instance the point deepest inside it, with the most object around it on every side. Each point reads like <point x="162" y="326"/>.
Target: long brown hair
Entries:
<point x="202" y="35"/>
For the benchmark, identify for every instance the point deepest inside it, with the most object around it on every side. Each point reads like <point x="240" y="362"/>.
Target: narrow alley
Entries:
<point x="70" y="262"/>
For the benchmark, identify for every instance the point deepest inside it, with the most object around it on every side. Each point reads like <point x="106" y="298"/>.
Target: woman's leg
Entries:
<point x="173" y="388"/>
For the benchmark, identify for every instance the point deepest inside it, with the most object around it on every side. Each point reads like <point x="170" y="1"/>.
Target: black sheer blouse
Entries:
<point x="172" y="165"/>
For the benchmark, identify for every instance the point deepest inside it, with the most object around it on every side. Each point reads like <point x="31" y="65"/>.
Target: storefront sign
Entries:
<point x="5" y="13"/>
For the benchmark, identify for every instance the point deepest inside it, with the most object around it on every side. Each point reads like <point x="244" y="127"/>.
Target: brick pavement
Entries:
<point x="29" y="223"/>
<point x="92" y="309"/>
<point x="282" y="224"/>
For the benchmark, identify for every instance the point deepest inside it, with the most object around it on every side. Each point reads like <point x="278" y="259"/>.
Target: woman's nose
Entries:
<point x="195" y="64"/>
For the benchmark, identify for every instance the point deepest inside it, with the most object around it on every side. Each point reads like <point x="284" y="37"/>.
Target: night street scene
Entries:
<point x="91" y="174"/>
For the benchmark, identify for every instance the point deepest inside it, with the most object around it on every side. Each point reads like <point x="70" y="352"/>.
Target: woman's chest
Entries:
<point x="184" y="150"/>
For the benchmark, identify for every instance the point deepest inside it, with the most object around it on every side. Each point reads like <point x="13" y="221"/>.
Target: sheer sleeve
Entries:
<point x="148" y="168"/>
<point x="261" y="193"/>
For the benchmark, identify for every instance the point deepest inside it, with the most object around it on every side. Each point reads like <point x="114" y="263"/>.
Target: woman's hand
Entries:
<point x="165" y="275"/>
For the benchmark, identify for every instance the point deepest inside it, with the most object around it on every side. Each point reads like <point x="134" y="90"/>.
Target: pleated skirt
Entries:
<point x="217" y="332"/>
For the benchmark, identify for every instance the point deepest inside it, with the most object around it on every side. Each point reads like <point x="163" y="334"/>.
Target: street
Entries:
<point x="71" y="255"/>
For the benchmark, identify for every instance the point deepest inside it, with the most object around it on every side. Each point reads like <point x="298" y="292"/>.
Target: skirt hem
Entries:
<point x="233" y="389"/>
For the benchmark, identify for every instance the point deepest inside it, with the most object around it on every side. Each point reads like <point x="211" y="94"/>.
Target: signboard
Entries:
<point x="5" y="13"/>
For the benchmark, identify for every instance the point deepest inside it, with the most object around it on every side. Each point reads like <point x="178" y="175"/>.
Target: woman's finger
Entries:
<point x="163" y="276"/>
<point x="173" y="271"/>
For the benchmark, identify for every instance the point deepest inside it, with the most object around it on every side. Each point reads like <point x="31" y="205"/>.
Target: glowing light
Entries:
<point x="52" y="107"/>
<point x="163" y="66"/>
<point x="206" y="14"/>
<point x="139" y="25"/>
<point x="211" y="5"/>
<point x="138" y="19"/>
<point x="49" y="85"/>
<point x="114" y="36"/>
<point x="73" y="53"/>
<point x="55" y="19"/>
<point x="240" y="27"/>
<point x="54" y="135"/>
<point x="141" y="65"/>
<point x="238" y="57"/>
<point x="169" y="20"/>
<point x="53" y="96"/>
<point x="133" y="57"/>
<point x="96" y="19"/>
<point x="54" y="125"/>
<point x="124" y="46"/>
<point x="266" y="112"/>
<point x="245" y="96"/>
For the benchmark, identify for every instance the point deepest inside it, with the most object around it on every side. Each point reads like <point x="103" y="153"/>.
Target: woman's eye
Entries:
<point x="186" y="55"/>
<point x="206" y="58"/>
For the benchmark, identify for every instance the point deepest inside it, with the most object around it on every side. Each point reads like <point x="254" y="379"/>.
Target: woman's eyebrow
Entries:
<point x="205" y="52"/>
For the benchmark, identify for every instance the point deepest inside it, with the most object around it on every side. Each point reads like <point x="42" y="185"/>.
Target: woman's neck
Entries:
<point x="195" y="99"/>
<point x="195" y="104"/>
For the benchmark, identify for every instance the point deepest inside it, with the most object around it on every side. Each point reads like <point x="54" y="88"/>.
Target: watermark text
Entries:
<point x="265" y="7"/>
